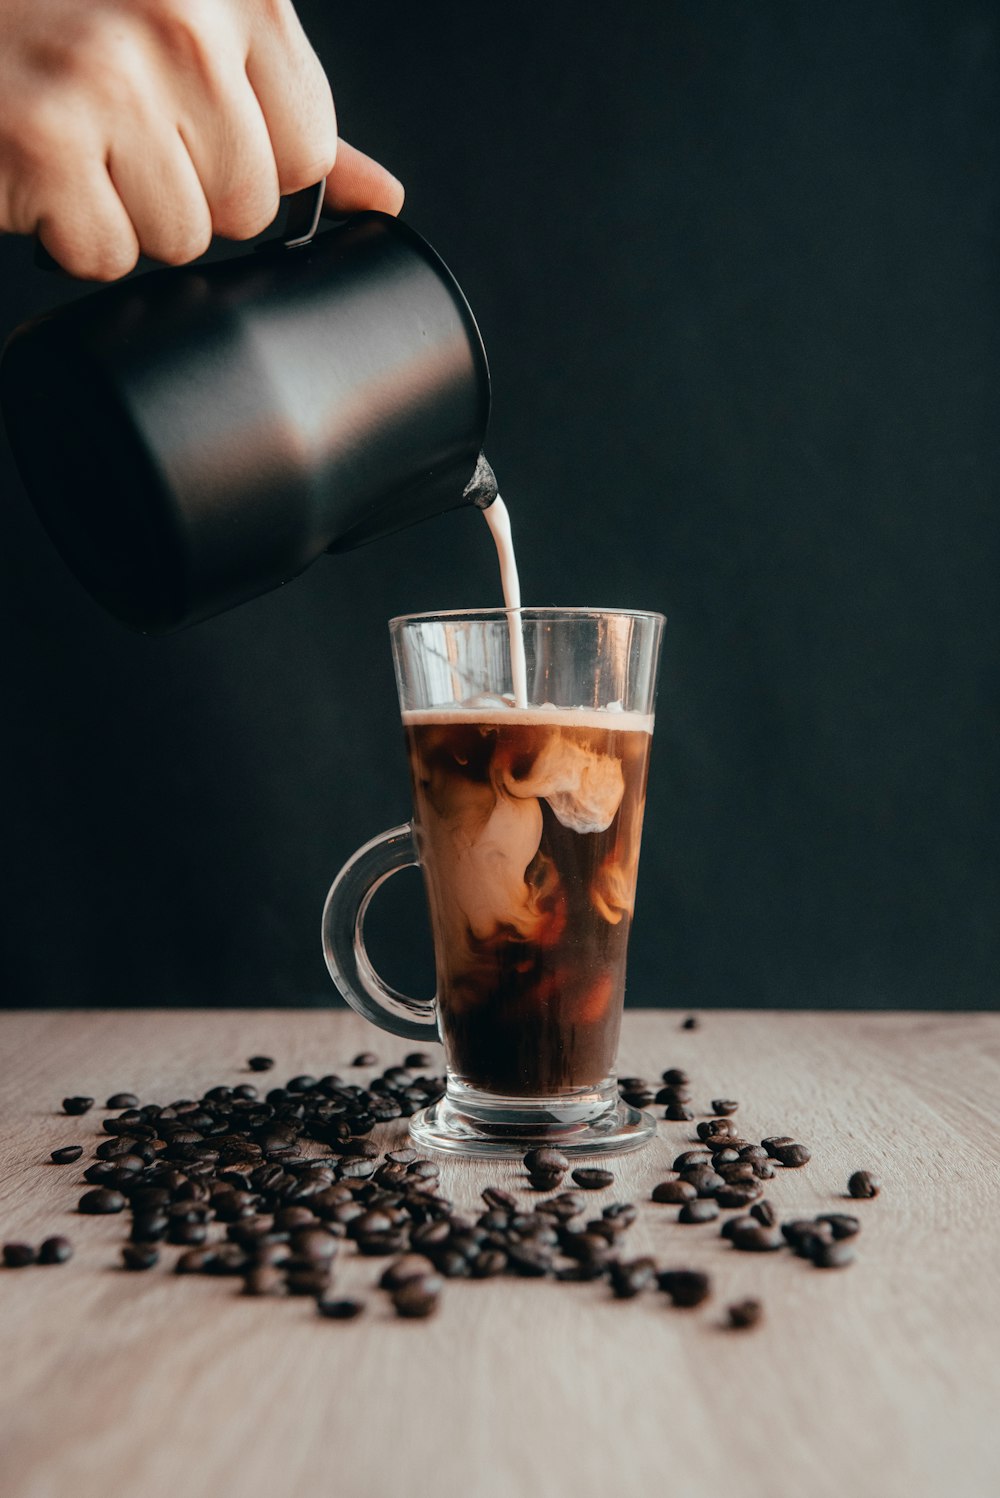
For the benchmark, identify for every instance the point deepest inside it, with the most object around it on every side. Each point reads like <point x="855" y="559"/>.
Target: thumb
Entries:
<point x="357" y="182"/>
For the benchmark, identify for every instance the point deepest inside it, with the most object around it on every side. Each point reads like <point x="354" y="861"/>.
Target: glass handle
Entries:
<point x="344" y="942"/>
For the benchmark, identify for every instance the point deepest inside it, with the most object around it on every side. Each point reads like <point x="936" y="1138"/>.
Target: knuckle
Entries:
<point x="243" y="212"/>
<point x="183" y="29"/>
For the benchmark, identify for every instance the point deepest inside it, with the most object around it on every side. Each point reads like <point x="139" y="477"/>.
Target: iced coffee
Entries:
<point x="528" y="824"/>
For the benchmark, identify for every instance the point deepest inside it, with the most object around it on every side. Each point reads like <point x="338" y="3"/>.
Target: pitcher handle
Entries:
<point x="344" y="948"/>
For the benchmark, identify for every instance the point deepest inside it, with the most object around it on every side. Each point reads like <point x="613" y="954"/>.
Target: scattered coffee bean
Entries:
<point x="57" y="1250"/>
<point x="122" y="1100"/>
<point x="101" y="1199"/>
<point x="19" y="1255"/>
<point x="703" y="1210"/>
<point x="765" y="1213"/>
<point x="631" y="1278"/>
<point x="791" y="1155"/>
<point x="733" y="1225"/>
<point x="417" y="1061"/>
<point x="418" y="1297"/>
<point x="840" y="1224"/>
<point x="67" y="1154"/>
<point x="776" y="1141"/>
<point x="490" y="1262"/>
<point x="724" y="1105"/>
<point x="677" y="1113"/>
<point x="365" y="1058"/>
<point x="704" y="1179"/>
<point x="590" y="1179"/>
<point x="407" y="1267"/>
<point x="502" y="1200"/>
<point x="836" y="1255"/>
<point x="686" y="1287"/>
<point x="195" y="1261"/>
<point x="260" y="1063"/>
<point x="745" y="1313"/>
<point x="757" y="1239"/>
<point x="716" y="1128"/>
<point x="545" y="1180"/>
<point x="691" y="1023"/>
<point x="674" y="1192"/>
<point x="77" y="1104"/>
<point x="140" y="1256"/>
<point x="546" y="1160"/>
<point x="674" y="1077"/>
<point x="405" y="1156"/>
<point x="863" y="1184"/>
<point x="340" y="1310"/>
<point x="738" y="1193"/>
<point x="264" y="1279"/>
<point x="687" y="1158"/>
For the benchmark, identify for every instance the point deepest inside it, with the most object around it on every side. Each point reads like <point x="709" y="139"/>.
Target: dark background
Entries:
<point x="736" y="269"/>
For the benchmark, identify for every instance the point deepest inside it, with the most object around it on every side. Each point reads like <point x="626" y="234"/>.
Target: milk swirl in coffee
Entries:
<point x="528" y="820"/>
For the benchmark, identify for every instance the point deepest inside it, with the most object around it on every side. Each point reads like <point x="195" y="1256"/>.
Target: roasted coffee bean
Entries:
<point x="67" y="1154"/>
<point x="546" y="1160"/>
<point x="741" y="1170"/>
<point x="19" y="1255"/>
<point x="365" y="1058"/>
<point x="226" y="1258"/>
<point x="101" y="1199"/>
<point x="733" y="1225"/>
<point x="288" y="1218"/>
<point x="149" y="1226"/>
<point x="55" y="1250"/>
<point x="314" y="1243"/>
<point x="189" y="1234"/>
<point x="122" y="1100"/>
<point x="431" y="1234"/>
<point x="264" y="1279"/>
<point x="686" y="1287"/>
<point x="528" y="1260"/>
<point x="450" y="1262"/>
<point x="246" y="1091"/>
<point x="674" y="1077"/>
<point x="729" y="1156"/>
<point x="609" y="1231"/>
<point x="738" y="1193"/>
<point x="493" y="1196"/>
<point x="674" y="1192"/>
<point x="260" y="1063"/>
<point x="863" y="1184"/>
<point x="705" y="1209"/>
<point x="638" y="1099"/>
<point x="314" y="1281"/>
<point x="622" y="1214"/>
<point x="490" y="1262"/>
<point x="765" y="1213"/>
<point x="140" y="1256"/>
<point x="378" y="1245"/>
<point x="757" y="1239"/>
<point x="303" y="1083"/>
<point x="407" y="1267"/>
<point x="418" y="1297"/>
<point x="669" y="1095"/>
<point x="401" y="1156"/>
<point x="424" y="1170"/>
<point x="340" y="1310"/>
<point x="802" y="1233"/>
<point x="630" y="1278"/>
<point x="418" y="1061"/>
<point x="716" y="1128"/>
<point x="678" y="1113"/>
<point x="791" y="1155"/>
<point x="763" y="1170"/>
<point x="718" y="1143"/>
<point x="691" y="1023"/>
<point x="753" y="1152"/>
<point x="590" y="1179"/>
<point x="584" y="1246"/>
<point x="704" y="1179"/>
<point x="724" y="1105"/>
<point x="836" y="1255"/>
<point x="777" y="1141"/>
<point x="840" y="1224"/>
<point x="688" y="1158"/>
<point x="744" y="1313"/>
<point x="77" y="1104"/>
<point x="195" y="1261"/>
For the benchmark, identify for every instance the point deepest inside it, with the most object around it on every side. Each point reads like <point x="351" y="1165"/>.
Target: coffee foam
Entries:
<point x="607" y="719"/>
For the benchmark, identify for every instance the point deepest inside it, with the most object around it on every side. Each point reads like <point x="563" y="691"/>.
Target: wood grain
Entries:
<point x="877" y="1380"/>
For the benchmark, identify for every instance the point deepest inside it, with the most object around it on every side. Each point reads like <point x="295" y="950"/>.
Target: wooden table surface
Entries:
<point x="877" y="1380"/>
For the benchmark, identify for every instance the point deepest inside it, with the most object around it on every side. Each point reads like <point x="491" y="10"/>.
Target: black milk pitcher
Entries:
<point x="196" y="436"/>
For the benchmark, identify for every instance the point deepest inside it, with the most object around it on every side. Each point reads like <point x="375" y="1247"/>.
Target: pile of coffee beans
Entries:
<point x="273" y="1190"/>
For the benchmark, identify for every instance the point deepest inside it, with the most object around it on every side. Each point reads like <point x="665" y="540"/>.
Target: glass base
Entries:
<point x="594" y="1121"/>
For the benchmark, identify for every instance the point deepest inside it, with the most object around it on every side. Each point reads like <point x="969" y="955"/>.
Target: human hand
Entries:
<point x="131" y="126"/>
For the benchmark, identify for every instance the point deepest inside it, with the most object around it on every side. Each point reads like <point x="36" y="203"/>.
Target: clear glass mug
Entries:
<point x="527" y="822"/>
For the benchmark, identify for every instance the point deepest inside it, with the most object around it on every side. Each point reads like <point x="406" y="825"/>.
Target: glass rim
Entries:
<point x="532" y="612"/>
